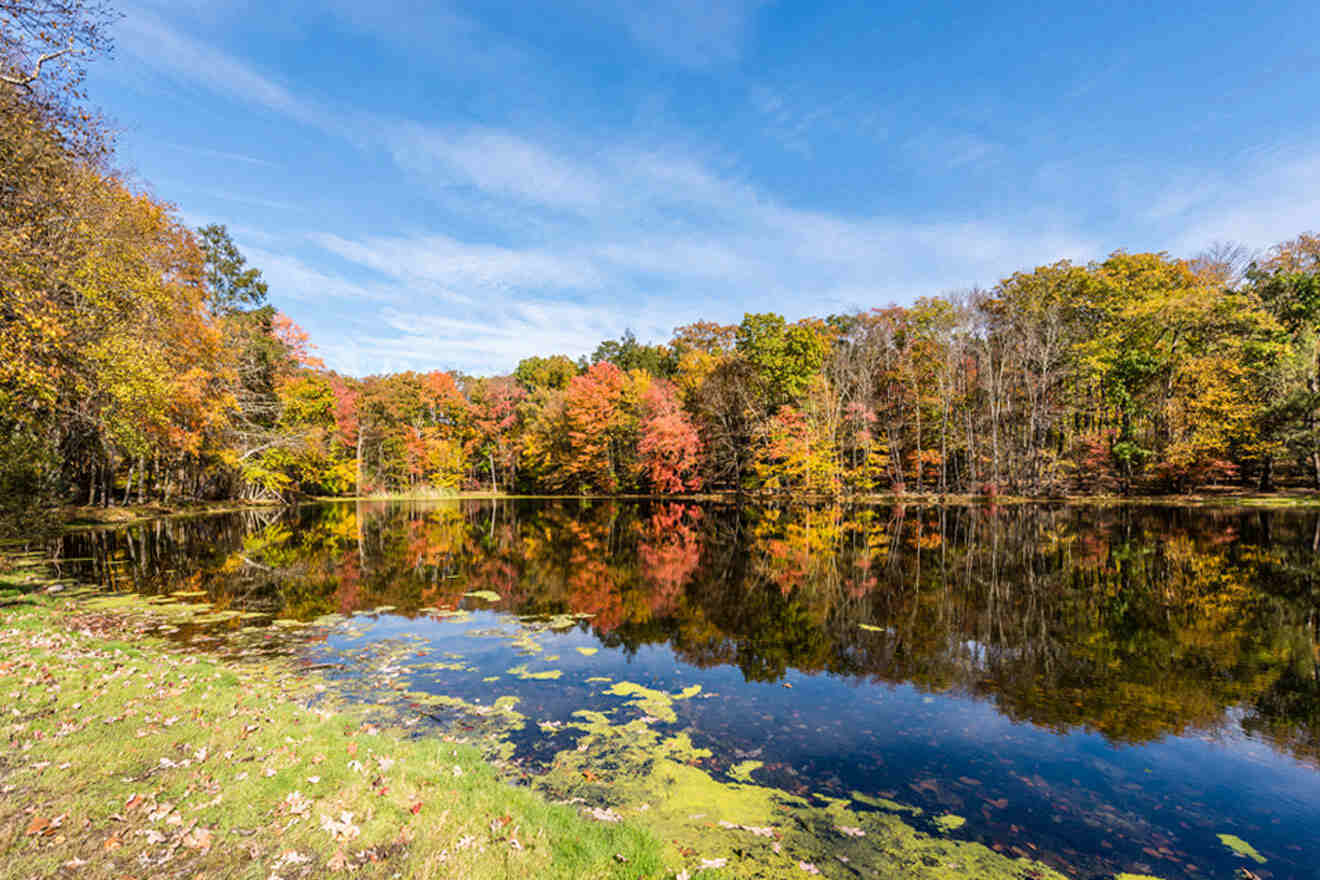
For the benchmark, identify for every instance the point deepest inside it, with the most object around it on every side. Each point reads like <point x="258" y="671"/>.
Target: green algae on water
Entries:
<point x="886" y="804"/>
<point x="742" y="771"/>
<point x="524" y="673"/>
<point x="1241" y="847"/>
<point x="654" y="703"/>
<point x="637" y="773"/>
<point x="950" y="822"/>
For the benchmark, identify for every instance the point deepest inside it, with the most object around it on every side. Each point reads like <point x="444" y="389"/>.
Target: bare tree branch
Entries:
<point x="27" y="81"/>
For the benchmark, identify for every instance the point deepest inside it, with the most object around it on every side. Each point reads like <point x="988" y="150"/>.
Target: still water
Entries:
<point x="1106" y="690"/>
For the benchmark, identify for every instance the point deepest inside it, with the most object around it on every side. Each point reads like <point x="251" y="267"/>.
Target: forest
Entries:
<point x="145" y="361"/>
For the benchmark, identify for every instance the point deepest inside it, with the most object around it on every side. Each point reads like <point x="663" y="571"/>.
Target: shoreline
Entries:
<point x="75" y="518"/>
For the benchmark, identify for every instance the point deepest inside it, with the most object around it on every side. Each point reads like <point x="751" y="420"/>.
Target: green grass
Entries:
<point x="127" y="758"/>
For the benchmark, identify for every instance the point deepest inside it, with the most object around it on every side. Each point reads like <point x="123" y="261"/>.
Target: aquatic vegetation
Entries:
<point x="1241" y="847"/>
<point x="486" y="726"/>
<point x="950" y="822"/>
<point x="657" y="704"/>
<point x="886" y="804"/>
<point x="750" y="830"/>
<point x="545" y="674"/>
<point x="742" y="771"/>
<point x="487" y="595"/>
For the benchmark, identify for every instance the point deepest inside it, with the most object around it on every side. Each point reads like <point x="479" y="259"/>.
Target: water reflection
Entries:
<point x="1174" y="650"/>
<point x="1136" y="623"/>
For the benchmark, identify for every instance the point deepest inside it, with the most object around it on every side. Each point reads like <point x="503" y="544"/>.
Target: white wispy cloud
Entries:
<point x="799" y="118"/>
<point x="1271" y="198"/>
<point x="653" y="238"/>
<point x="220" y="154"/>
<point x="465" y="266"/>
<point x="156" y="44"/>
<point x="498" y="163"/>
<point x="693" y="33"/>
<point x="292" y="278"/>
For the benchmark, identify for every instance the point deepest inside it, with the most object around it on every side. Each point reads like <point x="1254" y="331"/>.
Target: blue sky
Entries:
<point x="457" y="186"/>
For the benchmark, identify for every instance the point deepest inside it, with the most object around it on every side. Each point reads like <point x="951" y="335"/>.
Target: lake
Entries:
<point x="1107" y="690"/>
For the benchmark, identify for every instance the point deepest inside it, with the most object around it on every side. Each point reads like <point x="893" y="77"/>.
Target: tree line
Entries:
<point x="142" y="360"/>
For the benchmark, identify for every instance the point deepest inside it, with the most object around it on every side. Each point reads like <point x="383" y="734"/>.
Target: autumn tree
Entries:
<point x="495" y="404"/>
<point x="1287" y="285"/>
<point x="600" y="421"/>
<point x="669" y="447"/>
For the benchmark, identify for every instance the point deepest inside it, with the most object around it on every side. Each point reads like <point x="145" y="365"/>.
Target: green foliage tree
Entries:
<point x="628" y="355"/>
<point x="784" y="356"/>
<point x="552" y="372"/>
<point x="232" y="285"/>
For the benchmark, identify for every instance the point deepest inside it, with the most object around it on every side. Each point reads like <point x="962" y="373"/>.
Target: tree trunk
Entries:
<point x="357" y="486"/>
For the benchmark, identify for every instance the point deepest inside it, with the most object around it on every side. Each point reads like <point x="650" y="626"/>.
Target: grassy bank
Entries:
<point x="124" y="757"/>
<point x="76" y="516"/>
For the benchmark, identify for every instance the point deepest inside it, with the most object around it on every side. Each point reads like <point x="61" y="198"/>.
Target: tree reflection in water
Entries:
<point x="1137" y="623"/>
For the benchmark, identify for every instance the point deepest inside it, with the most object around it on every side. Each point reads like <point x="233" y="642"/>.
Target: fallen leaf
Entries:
<point x="198" y="839"/>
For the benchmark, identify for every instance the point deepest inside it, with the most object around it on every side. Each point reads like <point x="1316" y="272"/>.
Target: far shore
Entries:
<point x="75" y="517"/>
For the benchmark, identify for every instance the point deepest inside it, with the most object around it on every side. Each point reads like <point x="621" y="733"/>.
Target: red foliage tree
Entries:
<point x="670" y="447"/>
